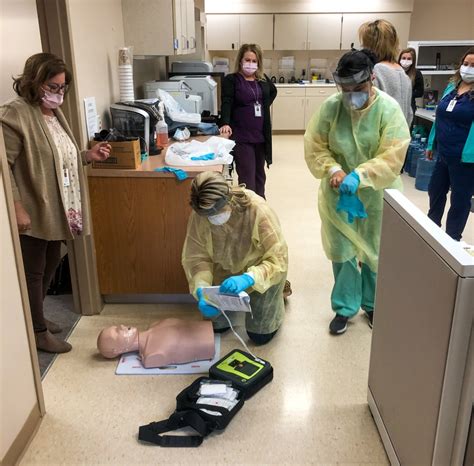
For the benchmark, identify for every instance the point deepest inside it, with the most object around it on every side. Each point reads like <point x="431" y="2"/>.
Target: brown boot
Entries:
<point x="46" y="341"/>
<point x="53" y="327"/>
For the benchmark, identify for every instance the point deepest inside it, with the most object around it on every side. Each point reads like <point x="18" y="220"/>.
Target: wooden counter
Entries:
<point x="139" y="222"/>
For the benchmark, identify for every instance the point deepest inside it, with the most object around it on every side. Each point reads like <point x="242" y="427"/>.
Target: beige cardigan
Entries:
<point x="35" y="170"/>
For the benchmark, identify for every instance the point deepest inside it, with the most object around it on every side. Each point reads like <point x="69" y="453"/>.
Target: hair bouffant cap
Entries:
<point x="355" y="66"/>
<point x="210" y="192"/>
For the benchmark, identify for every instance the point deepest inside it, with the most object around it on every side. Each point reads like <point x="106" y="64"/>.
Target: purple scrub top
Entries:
<point x="247" y="127"/>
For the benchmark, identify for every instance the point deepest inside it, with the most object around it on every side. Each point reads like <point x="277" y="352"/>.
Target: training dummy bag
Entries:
<point x="239" y="371"/>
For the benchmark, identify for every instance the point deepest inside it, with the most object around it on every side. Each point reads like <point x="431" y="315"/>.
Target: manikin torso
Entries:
<point x="175" y="341"/>
<point x="169" y="341"/>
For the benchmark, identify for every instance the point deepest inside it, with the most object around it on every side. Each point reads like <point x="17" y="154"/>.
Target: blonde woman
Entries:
<point x="247" y="95"/>
<point x="381" y="38"/>
<point x="234" y="240"/>
<point x="407" y="60"/>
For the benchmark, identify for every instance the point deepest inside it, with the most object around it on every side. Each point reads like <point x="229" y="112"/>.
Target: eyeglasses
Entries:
<point x="57" y="88"/>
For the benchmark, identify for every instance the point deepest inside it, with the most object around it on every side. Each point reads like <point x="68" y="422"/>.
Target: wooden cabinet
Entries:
<point x="352" y="21"/>
<point x="324" y="31"/>
<point x="291" y="32"/>
<point x="294" y="106"/>
<point x="288" y="109"/>
<point x="315" y="96"/>
<point x="159" y="27"/>
<point x="257" y="29"/>
<point x="229" y="32"/>
<point x="308" y="32"/>
<point x="223" y="32"/>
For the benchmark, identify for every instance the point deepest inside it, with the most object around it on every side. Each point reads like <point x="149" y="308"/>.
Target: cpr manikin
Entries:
<point x="169" y="341"/>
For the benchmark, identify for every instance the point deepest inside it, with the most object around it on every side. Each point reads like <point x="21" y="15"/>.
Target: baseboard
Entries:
<point x="25" y="436"/>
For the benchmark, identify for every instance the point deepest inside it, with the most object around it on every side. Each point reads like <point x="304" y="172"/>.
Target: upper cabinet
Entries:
<point x="308" y="32"/>
<point x="229" y="32"/>
<point x="324" y="31"/>
<point x="352" y="21"/>
<point x="291" y="32"/>
<point x="159" y="27"/>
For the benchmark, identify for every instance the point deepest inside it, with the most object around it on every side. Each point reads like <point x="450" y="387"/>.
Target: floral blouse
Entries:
<point x="71" y="189"/>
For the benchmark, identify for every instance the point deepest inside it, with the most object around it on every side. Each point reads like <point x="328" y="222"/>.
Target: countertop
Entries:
<point x="147" y="168"/>
<point x="426" y="114"/>
<point x="318" y="84"/>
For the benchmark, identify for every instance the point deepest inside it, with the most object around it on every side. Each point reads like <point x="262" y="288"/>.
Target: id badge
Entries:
<point x="258" y="109"/>
<point x="66" y="181"/>
<point x="451" y="105"/>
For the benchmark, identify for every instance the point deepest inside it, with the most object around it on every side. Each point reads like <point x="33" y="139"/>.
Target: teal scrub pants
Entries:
<point x="352" y="289"/>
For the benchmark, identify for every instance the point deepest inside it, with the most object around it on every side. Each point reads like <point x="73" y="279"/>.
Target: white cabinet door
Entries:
<point x="324" y="31"/>
<point x="291" y="32"/>
<point x="190" y="26"/>
<point x="352" y="21"/>
<point x="288" y="109"/>
<point x="314" y="99"/>
<point x="223" y="32"/>
<point x="257" y="29"/>
<point x="149" y="26"/>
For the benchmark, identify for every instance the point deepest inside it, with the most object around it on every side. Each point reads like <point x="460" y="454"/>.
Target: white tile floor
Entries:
<point x="315" y="410"/>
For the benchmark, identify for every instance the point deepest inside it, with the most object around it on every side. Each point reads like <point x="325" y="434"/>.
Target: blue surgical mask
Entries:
<point x="355" y="100"/>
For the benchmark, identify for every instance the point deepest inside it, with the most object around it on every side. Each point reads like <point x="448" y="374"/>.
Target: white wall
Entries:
<point x="97" y="34"/>
<point x="17" y="386"/>
<point x="300" y="6"/>
<point x="19" y="39"/>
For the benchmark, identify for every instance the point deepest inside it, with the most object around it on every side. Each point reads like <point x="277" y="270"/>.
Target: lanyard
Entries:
<point x="256" y="88"/>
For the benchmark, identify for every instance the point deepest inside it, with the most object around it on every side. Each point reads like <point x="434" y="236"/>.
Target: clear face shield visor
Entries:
<point x="348" y="83"/>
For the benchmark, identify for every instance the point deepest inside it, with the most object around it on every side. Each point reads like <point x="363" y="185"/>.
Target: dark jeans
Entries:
<point x="250" y="165"/>
<point x="450" y="172"/>
<point x="40" y="260"/>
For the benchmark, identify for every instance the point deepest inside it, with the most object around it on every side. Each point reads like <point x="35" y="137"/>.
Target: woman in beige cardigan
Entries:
<point x="47" y="179"/>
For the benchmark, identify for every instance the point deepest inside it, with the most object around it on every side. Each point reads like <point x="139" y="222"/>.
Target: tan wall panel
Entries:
<point x="442" y="20"/>
<point x="17" y="385"/>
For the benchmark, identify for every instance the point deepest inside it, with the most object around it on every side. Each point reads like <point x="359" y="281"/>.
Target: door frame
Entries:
<point x="55" y="32"/>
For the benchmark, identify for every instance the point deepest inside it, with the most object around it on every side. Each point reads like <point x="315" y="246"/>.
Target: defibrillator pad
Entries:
<point x="246" y="373"/>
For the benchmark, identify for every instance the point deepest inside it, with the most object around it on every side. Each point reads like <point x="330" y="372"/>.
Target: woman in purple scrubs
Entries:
<point x="245" y="116"/>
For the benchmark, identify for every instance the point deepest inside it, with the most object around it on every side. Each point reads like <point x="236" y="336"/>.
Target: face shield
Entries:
<point x="348" y="83"/>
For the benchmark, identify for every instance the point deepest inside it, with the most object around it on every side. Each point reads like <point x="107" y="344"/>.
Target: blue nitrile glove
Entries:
<point x="210" y="156"/>
<point x="350" y="183"/>
<point x="236" y="284"/>
<point x="351" y="204"/>
<point x="206" y="309"/>
<point x="180" y="174"/>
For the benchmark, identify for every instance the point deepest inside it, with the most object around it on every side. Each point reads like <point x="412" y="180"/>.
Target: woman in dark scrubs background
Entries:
<point x="247" y="95"/>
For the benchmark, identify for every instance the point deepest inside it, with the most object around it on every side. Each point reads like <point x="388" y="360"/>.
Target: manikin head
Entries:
<point x="116" y="340"/>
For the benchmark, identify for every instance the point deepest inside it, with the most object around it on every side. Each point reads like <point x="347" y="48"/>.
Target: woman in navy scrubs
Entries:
<point x="452" y="137"/>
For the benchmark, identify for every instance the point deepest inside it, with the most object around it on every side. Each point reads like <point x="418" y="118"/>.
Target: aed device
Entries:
<point x="248" y="374"/>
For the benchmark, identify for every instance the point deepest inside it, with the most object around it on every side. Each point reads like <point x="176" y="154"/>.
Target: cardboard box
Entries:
<point x="125" y="155"/>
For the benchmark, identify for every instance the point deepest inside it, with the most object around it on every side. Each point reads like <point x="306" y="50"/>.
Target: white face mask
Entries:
<point x="406" y="64"/>
<point x="355" y="100"/>
<point x="51" y="100"/>
<point x="219" y="219"/>
<point x="249" y="68"/>
<point x="467" y="73"/>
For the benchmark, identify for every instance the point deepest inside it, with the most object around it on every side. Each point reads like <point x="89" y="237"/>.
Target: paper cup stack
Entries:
<point x="126" y="75"/>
